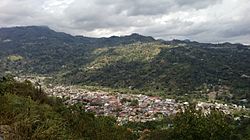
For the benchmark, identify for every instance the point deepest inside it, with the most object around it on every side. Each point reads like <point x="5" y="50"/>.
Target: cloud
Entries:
<point x="205" y="21"/>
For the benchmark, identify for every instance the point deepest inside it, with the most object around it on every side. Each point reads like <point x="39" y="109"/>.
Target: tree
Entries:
<point x="193" y="124"/>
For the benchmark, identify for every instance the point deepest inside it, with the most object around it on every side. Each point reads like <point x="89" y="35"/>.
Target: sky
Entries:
<point x="213" y="21"/>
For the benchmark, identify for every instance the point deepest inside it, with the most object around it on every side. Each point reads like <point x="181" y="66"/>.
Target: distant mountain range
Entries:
<point x="133" y="62"/>
<point x="45" y="34"/>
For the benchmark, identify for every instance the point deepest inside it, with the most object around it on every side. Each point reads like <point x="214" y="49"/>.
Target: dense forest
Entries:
<point x="27" y="113"/>
<point x="133" y="62"/>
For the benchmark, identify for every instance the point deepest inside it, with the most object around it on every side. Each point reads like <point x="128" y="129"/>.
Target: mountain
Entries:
<point x="135" y="62"/>
<point x="43" y="34"/>
<point x="33" y="33"/>
<point x="50" y="49"/>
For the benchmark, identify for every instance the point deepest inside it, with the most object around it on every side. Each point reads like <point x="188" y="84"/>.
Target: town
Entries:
<point x="126" y="107"/>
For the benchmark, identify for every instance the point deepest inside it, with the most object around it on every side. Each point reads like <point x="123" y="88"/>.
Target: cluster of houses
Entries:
<point x="126" y="107"/>
<point x="129" y="107"/>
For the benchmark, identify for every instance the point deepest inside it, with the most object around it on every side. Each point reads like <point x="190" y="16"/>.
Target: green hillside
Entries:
<point x="175" y="70"/>
<point x="133" y="62"/>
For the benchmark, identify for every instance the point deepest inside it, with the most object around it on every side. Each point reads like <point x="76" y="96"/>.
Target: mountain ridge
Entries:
<point x="46" y="30"/>
<point x="34" y="32"/>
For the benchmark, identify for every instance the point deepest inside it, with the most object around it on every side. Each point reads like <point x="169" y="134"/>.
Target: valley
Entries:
<point x="135" y="63"/>
<point x="60" y="86"/>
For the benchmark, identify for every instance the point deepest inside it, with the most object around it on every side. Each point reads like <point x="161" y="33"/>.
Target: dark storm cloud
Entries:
<point x="202" y="20"/>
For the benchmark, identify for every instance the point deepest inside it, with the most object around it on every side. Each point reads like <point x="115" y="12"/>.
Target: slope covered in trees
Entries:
<point x="173" y="70"/>
<point x="45" y="51"/>
<point x="131" y="62"/>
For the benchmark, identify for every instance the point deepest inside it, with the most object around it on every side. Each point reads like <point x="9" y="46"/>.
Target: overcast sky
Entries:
<point x="200" y="20"/>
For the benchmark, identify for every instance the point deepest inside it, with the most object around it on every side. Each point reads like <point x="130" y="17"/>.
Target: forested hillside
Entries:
<point x="132" y="62"/>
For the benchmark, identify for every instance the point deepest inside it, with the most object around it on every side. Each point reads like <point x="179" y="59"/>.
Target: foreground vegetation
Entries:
<point x="27" y="113"/>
